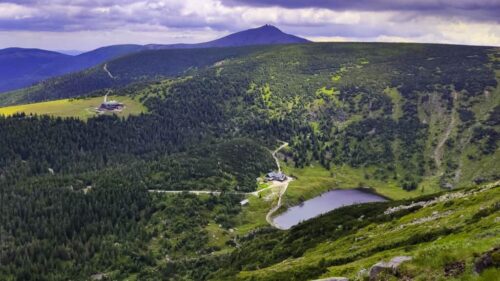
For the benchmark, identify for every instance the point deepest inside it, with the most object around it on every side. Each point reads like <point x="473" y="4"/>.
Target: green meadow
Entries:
<point x="80" y="108"/>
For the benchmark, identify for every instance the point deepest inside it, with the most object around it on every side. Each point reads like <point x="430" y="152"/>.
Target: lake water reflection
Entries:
<point x="324" y="203"/>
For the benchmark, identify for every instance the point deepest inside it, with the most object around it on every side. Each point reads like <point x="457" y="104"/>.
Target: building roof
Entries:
<point x="276" y="175"/>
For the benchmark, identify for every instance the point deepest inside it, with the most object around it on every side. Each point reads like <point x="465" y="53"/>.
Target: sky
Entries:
<point x="89" y="24"/>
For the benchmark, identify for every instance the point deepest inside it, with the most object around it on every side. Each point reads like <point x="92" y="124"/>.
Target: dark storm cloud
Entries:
<point x="171" y="21"/>
<point x="375" y="5"/>
<point x="74" y="15"/>
<point x="478" y="10"/>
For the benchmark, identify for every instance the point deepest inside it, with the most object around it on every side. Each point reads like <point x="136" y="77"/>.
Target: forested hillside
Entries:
<point x="415" y="111"/>
<point x="21" y="68"/>
<point x="75" y="198"/>
<point x="34" y="65"/>
<point x="144" y="66"/>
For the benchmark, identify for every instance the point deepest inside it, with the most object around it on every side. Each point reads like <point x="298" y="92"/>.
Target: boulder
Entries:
<point x="391" y="266"/>
<point x="362" y="274"/>
<point x="98" y="276"/>
<point x="333" y="279"/>
<point x="487" y="260"/>
<point x="479" y="180"/>
<point x="454" y="269"/>
<point x="448" y="186"/>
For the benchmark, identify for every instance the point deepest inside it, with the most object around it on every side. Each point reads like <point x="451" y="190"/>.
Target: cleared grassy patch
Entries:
<point x="397" y="100"/>
<point x="454" y="231"/>
<point x="79" y="108"/>
<point x="217" y="236"/>
<point x="314" y="180"/>
<point x="254" y="214"/>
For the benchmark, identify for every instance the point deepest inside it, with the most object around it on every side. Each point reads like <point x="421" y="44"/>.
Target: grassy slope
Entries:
<point x="141" y="66"/>
<point x="474" y="168"/>
<point x="314" y="180"/>
<point x="472" y="233"/>
<point x="253" y="214"/>
<point x="80" y="108"/>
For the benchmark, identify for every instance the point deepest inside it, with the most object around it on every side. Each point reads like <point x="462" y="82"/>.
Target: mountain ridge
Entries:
<point x="38" y="70"/>
<point x="81" y="196"/>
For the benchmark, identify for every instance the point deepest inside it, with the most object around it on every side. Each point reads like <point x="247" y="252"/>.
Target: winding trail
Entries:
<point x="283" y="188"/>
<point x="281" y="185"/>
<point x="438" y="151"/>
<point x="275" y="184"/>
<point x="106" y="96"/>
<point x="285" y="144"/>
<point x="105" y="68"/>
<point x="196" y="192"/>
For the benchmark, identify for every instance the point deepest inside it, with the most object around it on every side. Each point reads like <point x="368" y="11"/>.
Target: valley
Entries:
<point x="172" y="187"/>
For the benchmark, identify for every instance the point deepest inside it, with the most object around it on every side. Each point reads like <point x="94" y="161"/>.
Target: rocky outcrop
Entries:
<point x="487" y="260"/>
<point x="99" y="276"/>
<point x="443" y="198"/>
<point x="391" y="266"/>
<point x="333" y="279"/>
<point x="454" y="269"/>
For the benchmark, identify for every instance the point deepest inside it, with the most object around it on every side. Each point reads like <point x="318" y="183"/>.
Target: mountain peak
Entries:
<point x="264" y="35"/>
<point x="46" y="64"/>
<point x="269" y="27"/>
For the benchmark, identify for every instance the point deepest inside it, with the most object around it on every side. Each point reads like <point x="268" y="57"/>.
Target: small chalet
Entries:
<point x="111" y="105"/>
<point x="276" y="176"/>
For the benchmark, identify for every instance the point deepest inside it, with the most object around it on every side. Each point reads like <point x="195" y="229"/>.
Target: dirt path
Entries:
<point x="105" y="68"/>
<point x="196" y="192"/>
<point x="271" y="186"/>
<point x="283" y="187"/>
<point x="106" y="96"/>
<point x="276" y="184"/>
<point x="285" y="144"/>
<point x="438" y="151"/>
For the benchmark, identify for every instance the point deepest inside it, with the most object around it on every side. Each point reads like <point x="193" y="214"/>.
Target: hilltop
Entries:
<point x="442" y="236"/>
<point x="402" y="108"/>
<point x="33" y="65"/>
<point x="264" y="35"/>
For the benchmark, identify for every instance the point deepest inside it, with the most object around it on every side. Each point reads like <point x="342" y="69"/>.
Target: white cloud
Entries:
<point x="92" y="23"/>
<point x="15" y="12"/>
<point x="88" y="40"/>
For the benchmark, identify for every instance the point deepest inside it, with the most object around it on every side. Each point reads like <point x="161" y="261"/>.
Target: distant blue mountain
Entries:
<point x="23" y="67"/>
<point x="20" y="67"/>
<point x="264" y="35"/>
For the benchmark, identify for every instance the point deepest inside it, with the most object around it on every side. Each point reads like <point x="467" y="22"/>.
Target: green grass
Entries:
<point x="253" y="214"/>
<point x="262" y="185"/>
<point x="217" y="235"/>
<point x="266" y="95"/>
<point x="397" y="100"/>
<point x="484" y="165"/>
<point x="471" y="235"/>
<point x="79" y="108"/>
<point x="315" y="179"/>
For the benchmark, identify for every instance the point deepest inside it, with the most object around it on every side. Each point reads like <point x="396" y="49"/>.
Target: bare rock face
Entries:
<point x="454" y="269"/>
<point x="391" y="266"/>
<point x="98" y="276"/>
<point x="487" y="260"/>
<point x="333" y="279"/>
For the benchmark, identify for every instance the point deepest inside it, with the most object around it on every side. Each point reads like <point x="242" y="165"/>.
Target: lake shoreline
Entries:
<point x="324" y="203"/>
